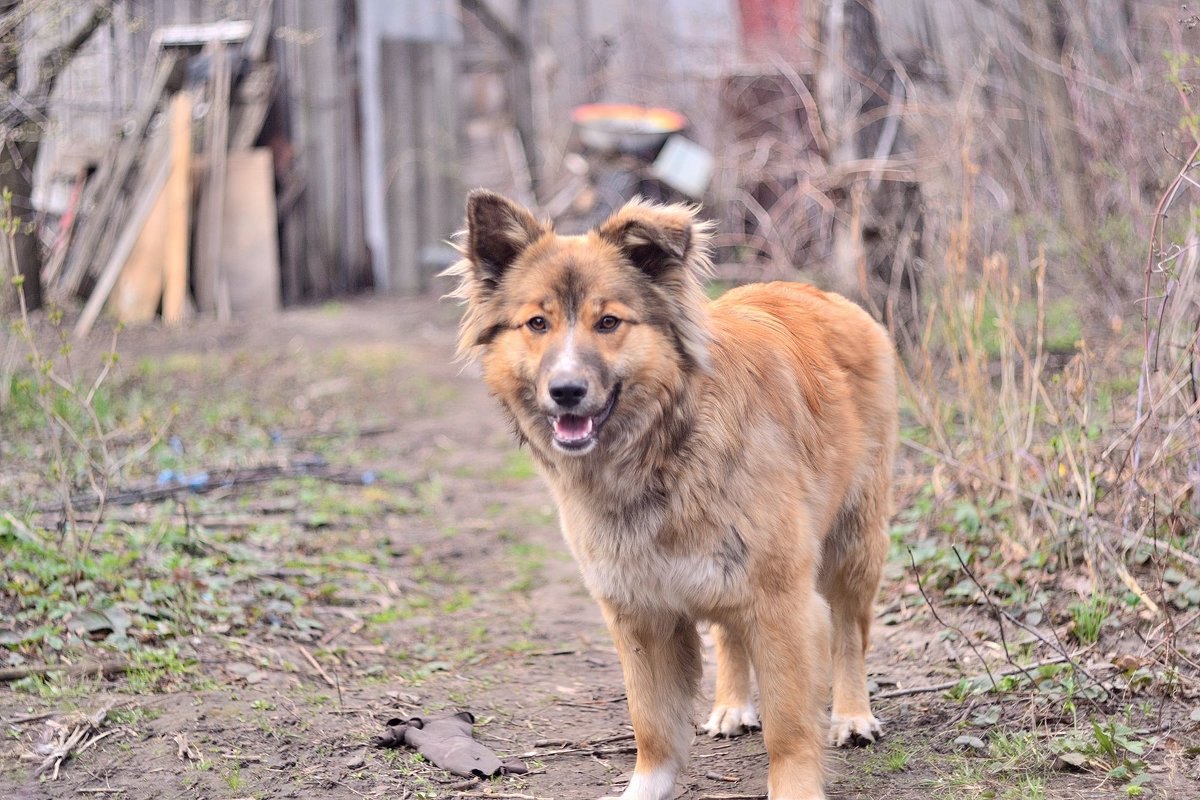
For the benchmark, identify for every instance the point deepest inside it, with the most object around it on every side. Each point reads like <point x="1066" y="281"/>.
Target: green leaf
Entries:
<point x="1073" y="759"/>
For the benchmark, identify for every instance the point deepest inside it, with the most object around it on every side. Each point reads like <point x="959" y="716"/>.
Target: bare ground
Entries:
<point x="444" y="585"/>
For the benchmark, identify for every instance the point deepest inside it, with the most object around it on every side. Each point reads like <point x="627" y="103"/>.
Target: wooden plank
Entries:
<point x="87" y="249"/>
<point x="250" y="246"/>
<point x="224" y="32"/>
<point x="255" y="47"/>
<point x="139" y="287"/>
<point x="160" y="252"/>
<point x="145" y="198"/>
<point x="211" y="290"/>
<point x="179" y="202"/>
<point x="135" y="296"/>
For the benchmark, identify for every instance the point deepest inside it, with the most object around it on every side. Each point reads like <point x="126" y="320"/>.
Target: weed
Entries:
<point x="1088" y="618"/>
<point x="233" y="778"/>
<point x="897" y="758"/>
<point x="1028" y="787"/>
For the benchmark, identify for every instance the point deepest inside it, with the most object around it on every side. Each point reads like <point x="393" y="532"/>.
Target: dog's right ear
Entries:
<point x="498" y="231"/>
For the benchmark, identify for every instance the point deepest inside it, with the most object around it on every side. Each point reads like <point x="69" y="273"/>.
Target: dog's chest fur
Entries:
<point x="653" y="564"/>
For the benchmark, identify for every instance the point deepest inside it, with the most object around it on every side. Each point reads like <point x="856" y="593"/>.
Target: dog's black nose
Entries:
<point x="568" y="392"/>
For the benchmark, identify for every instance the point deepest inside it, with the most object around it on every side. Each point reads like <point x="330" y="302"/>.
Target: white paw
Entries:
<point x="853" y="730"/>
<point x="731" y="720"/>
<point x="657" y="784"/>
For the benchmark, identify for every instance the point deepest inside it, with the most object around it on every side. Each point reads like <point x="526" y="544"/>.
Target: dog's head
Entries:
<point x="582" y="337"/>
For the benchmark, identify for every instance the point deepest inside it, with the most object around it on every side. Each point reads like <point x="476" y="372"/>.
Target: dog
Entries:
<point x="726" y="461"/>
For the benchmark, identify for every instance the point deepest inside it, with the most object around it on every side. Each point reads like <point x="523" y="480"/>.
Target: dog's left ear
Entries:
<point x="656" y="239"/>
<point x="670" y="246"/>
<point x="498" y="231"/>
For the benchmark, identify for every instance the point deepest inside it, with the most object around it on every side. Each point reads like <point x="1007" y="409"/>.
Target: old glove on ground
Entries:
<point x="447" y="742"/>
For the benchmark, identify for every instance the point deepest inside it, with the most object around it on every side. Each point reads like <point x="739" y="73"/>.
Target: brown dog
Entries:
<point x="727" y="461"/>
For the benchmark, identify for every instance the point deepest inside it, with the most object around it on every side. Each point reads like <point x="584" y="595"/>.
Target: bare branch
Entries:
<point x="491" y="20"/>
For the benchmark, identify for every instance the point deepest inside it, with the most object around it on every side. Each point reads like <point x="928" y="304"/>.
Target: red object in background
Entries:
<point x="771" y="22"/>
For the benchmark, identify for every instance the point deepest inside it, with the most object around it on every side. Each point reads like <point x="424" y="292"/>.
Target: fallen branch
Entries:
<point x="944" y="624"/>
<point x="105" y="668"/>
<point x="226" y="479"/>
<point x="101" y="790"/>
<point x="620" y="737"/>
<point x="78" y="737"/>
<point x="25" y="720"/>
<point x="316" y="665"/>
<point x="941" y="687"/>
<point x="962" y="562"/>
<point x="586" y="751"/>
<point x="1002" y="615"/>
<point x="716" y="776"/>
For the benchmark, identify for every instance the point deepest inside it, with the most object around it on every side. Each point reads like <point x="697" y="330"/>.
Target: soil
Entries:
<point x="504" y="627"/>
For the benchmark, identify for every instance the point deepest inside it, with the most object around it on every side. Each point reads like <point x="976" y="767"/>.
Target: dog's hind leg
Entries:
<point x="854" y="556"/>
<point x="733" y="710"/>
<point x="660" y="656"/>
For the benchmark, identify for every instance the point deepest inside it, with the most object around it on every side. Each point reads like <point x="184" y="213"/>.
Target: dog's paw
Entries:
<point x="731" y="720"/>
<point x="856" y="731"/>
<point x="656" y="784"/>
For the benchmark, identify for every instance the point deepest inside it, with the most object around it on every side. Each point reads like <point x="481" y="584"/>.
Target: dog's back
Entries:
<point x="822" y="366"/>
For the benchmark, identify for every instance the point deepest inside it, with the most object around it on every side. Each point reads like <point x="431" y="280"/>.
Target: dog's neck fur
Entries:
<point x="635" y="476"/>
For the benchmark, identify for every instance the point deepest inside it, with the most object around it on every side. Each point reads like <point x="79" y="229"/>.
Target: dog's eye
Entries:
<point x="538" y="325"/>
<point x="607" y="323"/>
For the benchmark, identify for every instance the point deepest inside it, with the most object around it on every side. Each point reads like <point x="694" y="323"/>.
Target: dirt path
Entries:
<point x="439" y="584"/>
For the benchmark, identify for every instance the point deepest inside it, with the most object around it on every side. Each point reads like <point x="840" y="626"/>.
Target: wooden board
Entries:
<point x="139" y="287"/>
<point x="151" y="181"/>
<point x="178" y="196"/>
<point x="211" y="293"/>
<point x="249" y="253"/>
<point x="157" y="266"/>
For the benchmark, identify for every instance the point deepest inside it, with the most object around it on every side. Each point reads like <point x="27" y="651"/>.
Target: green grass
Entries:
<point x="1088" y="618"/>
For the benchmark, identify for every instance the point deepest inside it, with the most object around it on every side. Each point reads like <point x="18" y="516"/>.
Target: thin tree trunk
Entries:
<point x="20" y="140"/>
<point x="16" y="174"/>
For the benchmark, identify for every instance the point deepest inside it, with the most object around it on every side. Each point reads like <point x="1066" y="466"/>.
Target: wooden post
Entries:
<point x="212" y="293"/>
<point x="179" y="203"/>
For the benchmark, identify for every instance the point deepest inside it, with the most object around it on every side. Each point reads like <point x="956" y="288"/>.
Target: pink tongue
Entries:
<point x="569" y="427"/>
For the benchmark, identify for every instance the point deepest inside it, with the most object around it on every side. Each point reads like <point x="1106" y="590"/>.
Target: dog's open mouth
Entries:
<point x="574" y="433"/>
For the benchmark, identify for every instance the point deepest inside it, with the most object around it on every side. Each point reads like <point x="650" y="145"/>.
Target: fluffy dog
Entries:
<point x="726" y="461"/>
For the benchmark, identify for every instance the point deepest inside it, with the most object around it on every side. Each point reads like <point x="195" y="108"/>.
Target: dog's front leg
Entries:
<point x="660" y="656"/>
<point x="791" y="655"/>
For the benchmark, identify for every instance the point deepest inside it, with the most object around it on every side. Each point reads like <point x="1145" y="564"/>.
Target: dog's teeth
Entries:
<point x="570" y="427"/>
